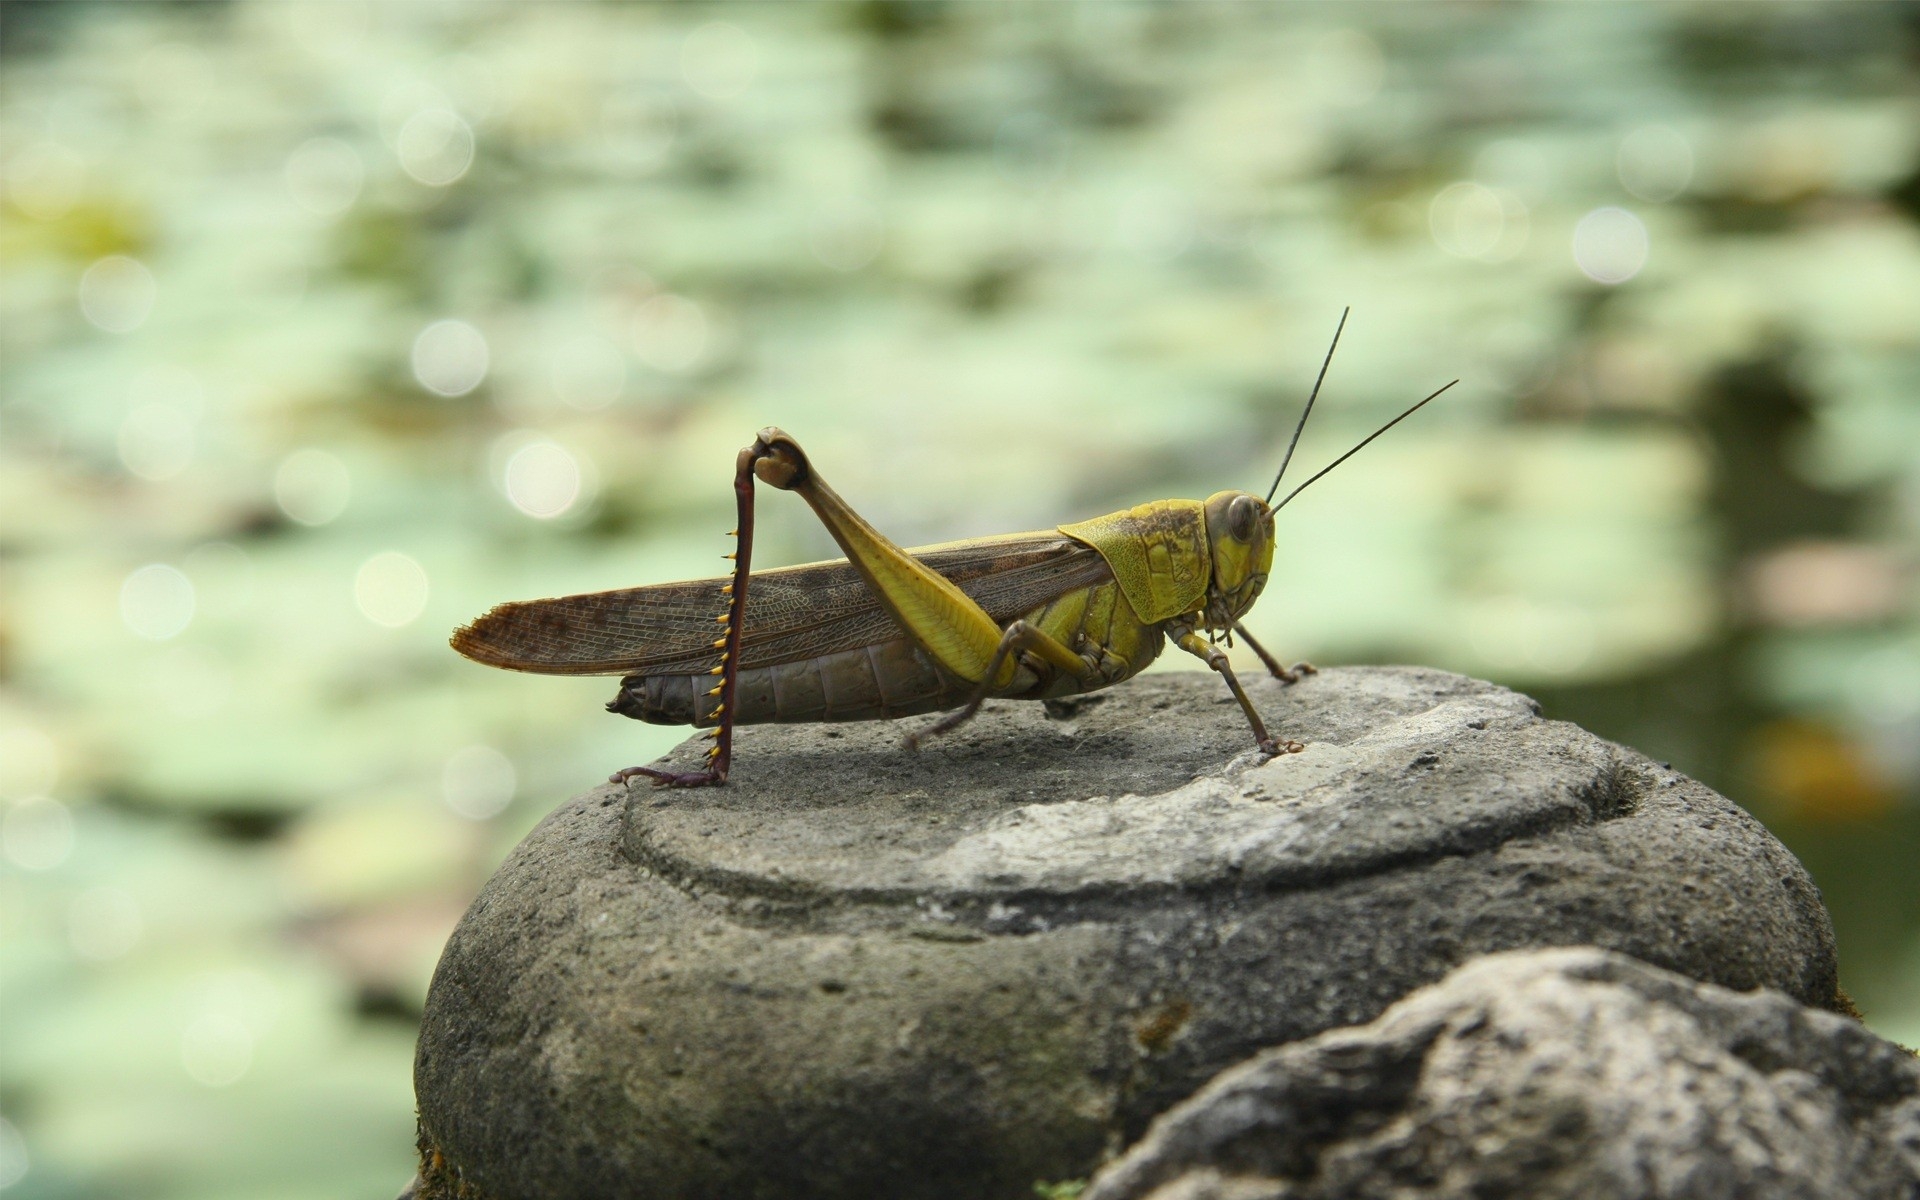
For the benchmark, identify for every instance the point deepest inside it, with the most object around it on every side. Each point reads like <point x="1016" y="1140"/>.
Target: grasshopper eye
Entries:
<point x="1243" y="518"/>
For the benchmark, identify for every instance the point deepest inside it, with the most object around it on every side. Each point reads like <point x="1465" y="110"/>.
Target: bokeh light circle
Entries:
<point x="1158" y="225"/>
<point x="1610" y="245"/>
<point x="390" y="589"/>
<point x="216" y="1049"/>
<point x="450" y="357"/>
<point x="156" y="441"/>
<point x="639" y="127"/>
<point x="36" y="834"/>
<point x="478" y="782"/>
<point x="848" y="237"/>
<point x="1655" y="163"/>
<point x="44" y="180"/>
<point x="1466" y="219"/>
<point x="117" y="294"/>
<point x="156" y="602"/>
<point x="324" y="176"/>
<point x="670" y="333"/>
<point x="435" y="146"/>
<point x="542" y="479"/>
<point x="312" y="486"/>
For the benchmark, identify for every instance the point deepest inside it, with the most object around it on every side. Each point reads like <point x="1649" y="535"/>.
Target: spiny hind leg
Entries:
<point x="935" y="613"/>
<point x="1291" y="674"/>
<point x="729" y="623"/>
<point x="1019" y="638"/>
<point x="1213" y="656"/>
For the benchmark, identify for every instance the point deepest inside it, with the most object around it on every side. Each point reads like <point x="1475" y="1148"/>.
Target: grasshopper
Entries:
<point x="887" y="632"/>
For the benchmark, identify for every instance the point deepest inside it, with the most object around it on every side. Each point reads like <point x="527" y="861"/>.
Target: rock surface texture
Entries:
<point x="860" y="972"/>
<point x="1552" y="1073"/>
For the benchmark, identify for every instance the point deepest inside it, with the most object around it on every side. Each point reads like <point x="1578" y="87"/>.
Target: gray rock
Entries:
<point x="858" y="972"/>
<point x="1551" y="1073"/>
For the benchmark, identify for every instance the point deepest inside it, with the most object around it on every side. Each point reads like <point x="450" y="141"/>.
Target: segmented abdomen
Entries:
<point x="888" y="679"/>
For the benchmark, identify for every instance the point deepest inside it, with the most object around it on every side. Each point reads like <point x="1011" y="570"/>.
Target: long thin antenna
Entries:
<point x="1311" y="397"/>
<point x="1349" y="454"/>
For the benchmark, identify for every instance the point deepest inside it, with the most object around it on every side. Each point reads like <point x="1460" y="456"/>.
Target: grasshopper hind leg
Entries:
<point x="720" y="754"/>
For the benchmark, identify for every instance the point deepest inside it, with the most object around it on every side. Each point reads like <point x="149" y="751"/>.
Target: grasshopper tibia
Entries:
<point x="720" y="755"/>
<point x="1289" y="675"/>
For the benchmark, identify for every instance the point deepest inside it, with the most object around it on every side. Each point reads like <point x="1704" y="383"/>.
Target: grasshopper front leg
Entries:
<point x="1187" y="638"/>
<point x="1283" y="674"/>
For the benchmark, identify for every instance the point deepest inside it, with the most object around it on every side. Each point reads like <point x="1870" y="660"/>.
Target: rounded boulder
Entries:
<point x="856" y="971"/>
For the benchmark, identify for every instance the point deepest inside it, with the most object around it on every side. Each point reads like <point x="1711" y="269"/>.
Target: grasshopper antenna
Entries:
<point x="1311" y="396"/>
<point x="1349" y="454"/>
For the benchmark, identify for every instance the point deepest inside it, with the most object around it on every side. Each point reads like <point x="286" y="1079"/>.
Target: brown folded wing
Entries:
<point x="793" y="613"/>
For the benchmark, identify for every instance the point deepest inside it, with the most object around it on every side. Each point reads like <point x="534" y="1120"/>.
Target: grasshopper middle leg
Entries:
<point x="1019" y="638"/>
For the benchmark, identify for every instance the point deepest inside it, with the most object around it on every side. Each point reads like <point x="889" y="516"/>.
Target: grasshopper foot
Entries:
<point x="1296" y="672"/>
<point x="708" y="778"/>
<point x="917" y="739"/>
<point x="1283" y="746"/>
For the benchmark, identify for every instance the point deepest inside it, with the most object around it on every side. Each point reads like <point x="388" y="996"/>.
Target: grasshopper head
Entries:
<point x="1240" y="534"/>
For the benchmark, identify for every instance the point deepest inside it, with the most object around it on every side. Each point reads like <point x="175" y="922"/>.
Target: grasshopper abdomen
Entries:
<point x="887" y="679"/>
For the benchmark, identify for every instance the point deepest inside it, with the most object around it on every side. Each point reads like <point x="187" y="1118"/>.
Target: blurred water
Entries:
<point x="325" y="326"/>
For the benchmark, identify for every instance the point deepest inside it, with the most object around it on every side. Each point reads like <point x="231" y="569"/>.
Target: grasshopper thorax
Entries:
<point x="1240" y="541"/>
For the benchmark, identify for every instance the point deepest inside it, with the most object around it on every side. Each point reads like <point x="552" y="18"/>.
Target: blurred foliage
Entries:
<point x="325" y="326"/>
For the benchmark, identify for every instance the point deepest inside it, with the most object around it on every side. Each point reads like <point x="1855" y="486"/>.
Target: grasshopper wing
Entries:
<point x="793" y="613"/>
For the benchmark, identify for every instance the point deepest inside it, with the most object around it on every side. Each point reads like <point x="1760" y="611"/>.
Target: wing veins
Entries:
<point x="793" y="613"/>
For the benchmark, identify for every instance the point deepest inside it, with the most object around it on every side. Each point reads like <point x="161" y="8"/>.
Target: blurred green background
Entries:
<point x="326" y="326"/>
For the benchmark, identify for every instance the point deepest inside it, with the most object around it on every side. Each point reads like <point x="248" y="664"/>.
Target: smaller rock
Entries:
<point x="1551" y="1073"/>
